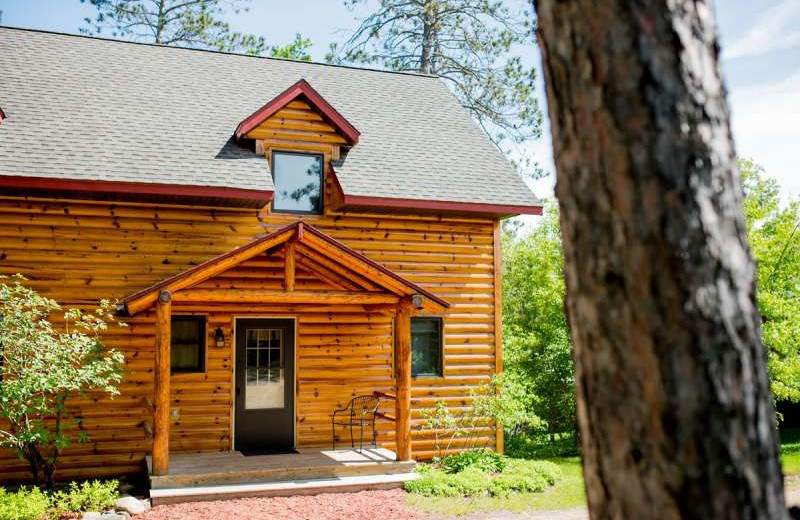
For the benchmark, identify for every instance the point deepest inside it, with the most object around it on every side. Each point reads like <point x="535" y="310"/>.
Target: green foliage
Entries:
<point x="532" y="445"/>
<point x="774" y="236"/>
<point x="486" y="461"/>
<point x="523" y="476"/>
<point x="43" y="365"/>
<point x="297" y="50"/>
<point x="539" y="369"/>
<point x="88" y="496"/>
<point x="475" y="46"/>
<point x="24" y="504"/>
<point x="191" y="23"/>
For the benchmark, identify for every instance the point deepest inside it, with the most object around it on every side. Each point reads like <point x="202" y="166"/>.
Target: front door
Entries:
<point x="264" y="413"/>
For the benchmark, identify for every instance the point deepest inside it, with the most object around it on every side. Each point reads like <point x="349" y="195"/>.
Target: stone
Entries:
<point x="115" y="516"/>
<point x="131" y="505"/>
<point x="91" y="515"/>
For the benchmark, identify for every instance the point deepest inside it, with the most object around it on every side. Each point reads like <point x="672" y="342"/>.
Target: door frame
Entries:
<point x="232" y="435"/>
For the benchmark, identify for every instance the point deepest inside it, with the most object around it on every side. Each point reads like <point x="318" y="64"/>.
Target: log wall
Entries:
<point x="80" y="251"/>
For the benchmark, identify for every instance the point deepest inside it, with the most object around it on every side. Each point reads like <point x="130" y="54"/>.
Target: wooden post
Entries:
<point x="288" y="264"/>
<point x="161" y="384"/>
<point x="498" y="321"/>
<point x="402" y="369"/>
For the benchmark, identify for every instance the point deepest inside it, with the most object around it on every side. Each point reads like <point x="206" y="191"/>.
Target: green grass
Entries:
<point x="567" y="493"/>
<point x="790" y="451"/>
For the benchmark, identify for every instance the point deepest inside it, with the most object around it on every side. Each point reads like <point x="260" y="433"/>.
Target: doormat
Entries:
<point x="276" y="451"/>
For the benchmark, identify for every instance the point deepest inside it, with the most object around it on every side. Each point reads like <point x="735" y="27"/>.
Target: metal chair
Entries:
<point x="360" y="411"/>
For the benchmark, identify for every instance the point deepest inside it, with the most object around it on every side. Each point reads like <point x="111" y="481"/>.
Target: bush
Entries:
<point x="542" y="446"/>
<point x="525" y="476"/>
<point x="25" y="504"/>
<point x="88" y="496"/>
<point x="487" y="461"/>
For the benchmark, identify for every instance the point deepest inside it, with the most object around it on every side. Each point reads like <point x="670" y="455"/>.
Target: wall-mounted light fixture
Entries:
<point x="219" y="337"/>
<point x="418" y="301"/>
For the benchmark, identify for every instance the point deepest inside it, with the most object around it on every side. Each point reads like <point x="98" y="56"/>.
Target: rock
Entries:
<point x="132" y="505"/>
<point x="115" y="516"/>
<point x="91" y="515"/>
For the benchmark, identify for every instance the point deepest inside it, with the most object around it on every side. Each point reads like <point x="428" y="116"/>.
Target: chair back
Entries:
<point x="364" y="405"/>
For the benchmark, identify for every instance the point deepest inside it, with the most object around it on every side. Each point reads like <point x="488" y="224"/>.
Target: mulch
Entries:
<point x="364" y="505"/>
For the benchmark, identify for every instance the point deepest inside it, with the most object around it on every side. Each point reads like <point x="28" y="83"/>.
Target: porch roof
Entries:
<point x="368" y="276"/>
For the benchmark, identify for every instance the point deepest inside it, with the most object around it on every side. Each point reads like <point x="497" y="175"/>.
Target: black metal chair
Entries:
<point x="360" y="411"/>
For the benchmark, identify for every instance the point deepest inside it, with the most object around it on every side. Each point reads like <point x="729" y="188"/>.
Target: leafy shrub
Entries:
<point x="541" y="446"/>
<point x="25" y="504"/>
<point x="88" y="496"/>
<point x="525" y="476"/>
<point x="432" y="483"/>
<point x="487" y="461"/>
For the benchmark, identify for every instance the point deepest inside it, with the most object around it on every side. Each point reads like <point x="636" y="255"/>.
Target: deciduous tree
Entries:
<point x="674" y="405"/>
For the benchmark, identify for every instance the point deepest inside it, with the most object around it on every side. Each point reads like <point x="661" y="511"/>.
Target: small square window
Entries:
<point x="298" y="179"/>
<point x="426" y="346"/>
<point x="188" y="345"/>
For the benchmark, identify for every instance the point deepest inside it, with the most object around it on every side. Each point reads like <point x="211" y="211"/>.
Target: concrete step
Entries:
<point x="345" y="484"/>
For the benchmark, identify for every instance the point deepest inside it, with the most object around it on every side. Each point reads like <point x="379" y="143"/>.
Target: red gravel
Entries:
<point x="365" y="505"/>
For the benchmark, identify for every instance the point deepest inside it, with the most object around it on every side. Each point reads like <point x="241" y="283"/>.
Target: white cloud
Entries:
<point x="766" y="128"/>
<point x="776" y="29"/>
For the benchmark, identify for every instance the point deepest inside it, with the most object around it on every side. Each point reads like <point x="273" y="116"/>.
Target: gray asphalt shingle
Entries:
<point x="91" y="109"/>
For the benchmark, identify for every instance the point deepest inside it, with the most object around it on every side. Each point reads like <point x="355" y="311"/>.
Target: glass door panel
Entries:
<point x="264" y="377"/>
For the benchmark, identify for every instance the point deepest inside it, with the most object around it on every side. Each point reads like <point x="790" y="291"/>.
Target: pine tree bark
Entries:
<point x="674" y="406"/>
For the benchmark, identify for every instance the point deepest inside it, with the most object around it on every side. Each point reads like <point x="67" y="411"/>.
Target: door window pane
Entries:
<point x="264" y="384"/>
<point x="298" y="182"/>
<point x="426" y="346"/>
<point x="187" y="344"/>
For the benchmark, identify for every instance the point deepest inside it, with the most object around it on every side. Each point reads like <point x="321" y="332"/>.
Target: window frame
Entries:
<point x="203" y="326"/>
<point x="321" y="157"/>
<point x="429" y="375"/>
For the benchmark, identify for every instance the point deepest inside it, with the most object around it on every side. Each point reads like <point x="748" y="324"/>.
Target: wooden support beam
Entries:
<point x="265" y="296"/>
<point x="161" y="384"/>
<point x="498" y="321"/>
<point x="402" y="368"/>
<point x="288" y="267"/>
<point x="337" y="268"/>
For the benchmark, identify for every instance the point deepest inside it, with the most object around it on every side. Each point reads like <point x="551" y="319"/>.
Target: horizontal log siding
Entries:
<point x="78" y="252"/>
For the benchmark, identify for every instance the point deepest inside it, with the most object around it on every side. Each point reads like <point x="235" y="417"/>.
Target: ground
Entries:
<point x="564" y="502"/>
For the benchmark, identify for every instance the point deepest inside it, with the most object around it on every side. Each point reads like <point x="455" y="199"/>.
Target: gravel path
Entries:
<point x="365" y="505"/>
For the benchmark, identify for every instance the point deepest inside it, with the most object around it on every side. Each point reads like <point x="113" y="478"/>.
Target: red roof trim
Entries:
<point x="470" y="207"/>
<point x="143" y="188"/>
<point x="301" y="88"/>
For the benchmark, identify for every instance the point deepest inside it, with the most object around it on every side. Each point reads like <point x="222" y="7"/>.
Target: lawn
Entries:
<point x="790" y="451"/>
<point x="568" y="492"/>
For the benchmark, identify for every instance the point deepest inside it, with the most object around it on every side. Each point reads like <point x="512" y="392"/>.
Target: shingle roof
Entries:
<point x="93" y="109"/>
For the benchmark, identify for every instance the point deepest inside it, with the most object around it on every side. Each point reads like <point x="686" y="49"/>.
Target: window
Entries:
<point x="426" y="346"/>
<point x="298" y="182"/>
<point x="188" y="344"/>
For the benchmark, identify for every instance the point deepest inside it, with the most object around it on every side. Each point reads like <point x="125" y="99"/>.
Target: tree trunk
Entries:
<point x="676" y="416"/>
<point x="428" y="38"/>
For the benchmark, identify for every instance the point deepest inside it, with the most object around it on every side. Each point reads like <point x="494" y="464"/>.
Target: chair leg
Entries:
<point x="374" y="436"/>
<point x="352" y="444"/>
<point x="361" y="435"/>
<point x="333" y="435"/>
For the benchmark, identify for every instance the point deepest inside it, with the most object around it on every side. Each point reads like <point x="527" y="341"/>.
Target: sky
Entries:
<point x="760" y="61"/>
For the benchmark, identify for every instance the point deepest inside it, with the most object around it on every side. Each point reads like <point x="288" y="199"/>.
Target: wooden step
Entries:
<point x="347" y="484"/>
<point x="230" y="468"/>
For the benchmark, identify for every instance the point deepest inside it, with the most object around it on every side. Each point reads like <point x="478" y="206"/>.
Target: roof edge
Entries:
<point x="441" y="205"/>
<point x="140" y="188"/>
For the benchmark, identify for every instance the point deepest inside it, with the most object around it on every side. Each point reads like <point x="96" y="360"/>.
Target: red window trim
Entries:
<point x="469" y="207"/>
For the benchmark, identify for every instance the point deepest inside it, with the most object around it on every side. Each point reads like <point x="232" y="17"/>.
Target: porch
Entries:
<point x="228" y="475"/>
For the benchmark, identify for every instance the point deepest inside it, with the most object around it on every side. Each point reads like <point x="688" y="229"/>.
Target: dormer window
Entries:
<point x="298" y="179"/>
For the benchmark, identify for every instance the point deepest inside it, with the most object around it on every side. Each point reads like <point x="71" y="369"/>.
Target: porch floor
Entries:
<point x="205" y="476"/>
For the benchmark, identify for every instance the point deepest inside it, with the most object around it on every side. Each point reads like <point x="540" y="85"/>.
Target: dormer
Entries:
<point x="300" y="134"/>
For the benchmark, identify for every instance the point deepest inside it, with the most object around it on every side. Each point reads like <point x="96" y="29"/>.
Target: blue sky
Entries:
<point x="761" y="62"/>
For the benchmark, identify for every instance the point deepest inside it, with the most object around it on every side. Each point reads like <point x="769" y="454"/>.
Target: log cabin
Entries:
<point x="280" y="236"/>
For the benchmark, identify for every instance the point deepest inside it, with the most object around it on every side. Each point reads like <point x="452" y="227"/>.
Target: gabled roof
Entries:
<point x="89" y="109"/>
<point x="301" y="89"/>
<point x="376" y="276"/>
